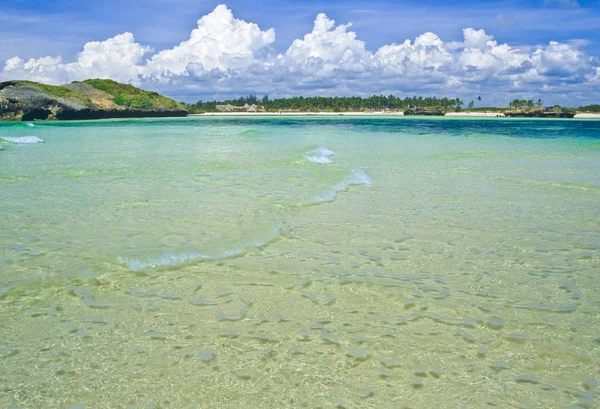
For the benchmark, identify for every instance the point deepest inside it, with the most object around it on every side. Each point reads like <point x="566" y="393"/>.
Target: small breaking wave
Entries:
<point x="22" y="139"/>
<point x="320" y="155"/>
<point x="168" y="259"/>
<point x="356" y="177"/>
<point x="175" y="259"/>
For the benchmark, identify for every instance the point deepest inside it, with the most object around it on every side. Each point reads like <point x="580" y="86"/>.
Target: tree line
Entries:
<point x="335" y="104"/>
<point x="595" y="108"/>
<point x="372" y="103"/>
<point x="525" y="104"/>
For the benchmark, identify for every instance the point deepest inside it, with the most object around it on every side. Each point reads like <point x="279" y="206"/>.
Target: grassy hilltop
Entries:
<point x="130" y="96"/>
<point x="89" y="99"/>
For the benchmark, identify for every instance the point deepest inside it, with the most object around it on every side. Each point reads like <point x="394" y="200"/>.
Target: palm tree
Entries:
<point x="516" y="104"/>
<point x="540" y="103"/>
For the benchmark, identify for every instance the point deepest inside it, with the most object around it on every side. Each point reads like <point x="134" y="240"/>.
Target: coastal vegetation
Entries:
<point x="90" y="99"/>
<point x="525" y="104"/>
<point x="49" y="90"/>
<point x="416" y="105"/>
<point x="590" y="108"/>
<point x="336" y="104"/>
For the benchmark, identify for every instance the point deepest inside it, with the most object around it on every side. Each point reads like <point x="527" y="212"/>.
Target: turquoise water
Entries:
<point x="300" y="262"/>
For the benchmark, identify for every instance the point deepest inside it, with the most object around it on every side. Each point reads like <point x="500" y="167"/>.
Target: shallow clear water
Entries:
<point x="300" y="262"/>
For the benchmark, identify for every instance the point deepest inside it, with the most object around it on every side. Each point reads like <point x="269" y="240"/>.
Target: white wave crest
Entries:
<point x="174" y="259"/>
<point x="356" y="177"/>
<point x="30" y="125"/>
<point x="169" y="259"/>
<point x="22" y="139"/>
<point x="320" y="155"/>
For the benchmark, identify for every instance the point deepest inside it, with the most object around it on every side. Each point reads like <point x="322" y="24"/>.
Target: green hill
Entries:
<point x="130" y="96"/>
<point x="89" y="99"/>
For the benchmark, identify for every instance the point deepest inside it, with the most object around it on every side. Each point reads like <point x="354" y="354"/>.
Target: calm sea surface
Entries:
<point x="300" y="263"/>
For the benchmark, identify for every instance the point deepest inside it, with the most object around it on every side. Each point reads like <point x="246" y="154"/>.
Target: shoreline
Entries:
<point x="489" y="115"/>
<point x="379" y="113"/>
<point x="464" y="116"/>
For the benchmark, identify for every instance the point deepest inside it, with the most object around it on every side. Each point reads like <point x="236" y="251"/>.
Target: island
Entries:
<point x="89" y="99"/>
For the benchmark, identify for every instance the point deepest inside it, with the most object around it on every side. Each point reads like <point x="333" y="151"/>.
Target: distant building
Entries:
<point x="225" y="108"/>
<point x="245" y="108"/>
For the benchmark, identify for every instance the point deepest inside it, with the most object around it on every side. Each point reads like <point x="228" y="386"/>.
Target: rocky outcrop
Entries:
<point x="29" y="101"/>
<point x="424" y="112"/>
<point x="116" y="113"/>
<point x="475" y="114"/>
<point x="545" y="113"/>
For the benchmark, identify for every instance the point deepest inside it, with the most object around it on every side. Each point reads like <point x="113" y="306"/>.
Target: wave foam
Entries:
<point x="357" y="177"/>
<point x="22" y="139"/>
<point x="174" y="259"/>
<point x="320" y="155"/>
<point x="169" y="259"/>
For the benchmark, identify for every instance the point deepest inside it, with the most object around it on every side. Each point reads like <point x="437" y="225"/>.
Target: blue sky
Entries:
<point x="61" y="28"/>
<point x="35" y="29"/>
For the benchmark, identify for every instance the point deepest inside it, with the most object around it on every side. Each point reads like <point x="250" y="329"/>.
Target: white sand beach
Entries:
<point x="299" y="113"/>
<point x="587" y="116"/>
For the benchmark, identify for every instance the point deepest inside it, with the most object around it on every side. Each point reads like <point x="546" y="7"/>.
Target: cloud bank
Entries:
<point x="228" y="56"/>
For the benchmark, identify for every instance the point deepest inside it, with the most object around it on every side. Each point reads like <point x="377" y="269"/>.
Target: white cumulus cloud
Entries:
<point x="326" y="49"/>
<point x="428" y="52"/>
<point x="561" y="60"/>
<point x="219" y="42"/>
<point x="119" y="58"/>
